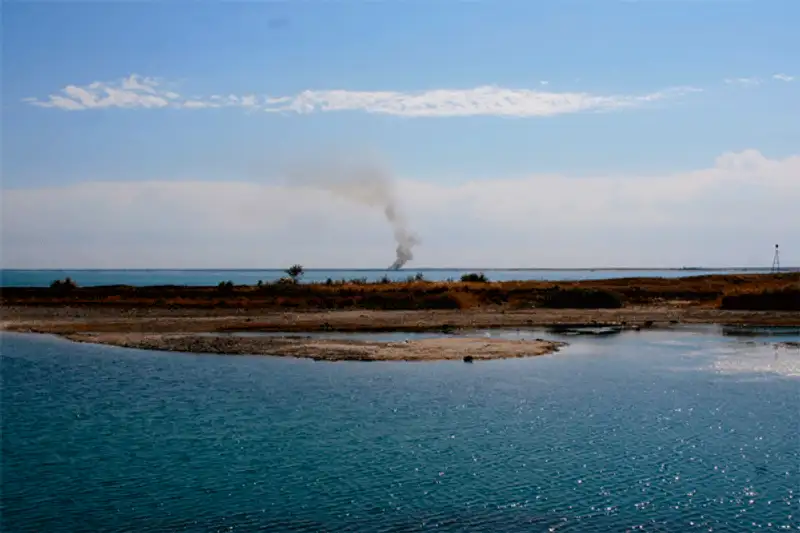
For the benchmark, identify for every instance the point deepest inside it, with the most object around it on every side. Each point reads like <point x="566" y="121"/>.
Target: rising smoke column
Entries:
<point x="405" y="240"/>
<point x="368" y="184"/>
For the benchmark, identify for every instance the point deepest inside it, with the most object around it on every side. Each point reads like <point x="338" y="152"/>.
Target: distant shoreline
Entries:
<point x="180" y="318"/>
<point x="418" y="269"/>
<point x="698" y="291"/>
<point x="198" y="278"/>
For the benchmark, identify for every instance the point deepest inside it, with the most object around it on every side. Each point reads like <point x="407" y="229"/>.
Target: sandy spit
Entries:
<point x="444" y="348"/>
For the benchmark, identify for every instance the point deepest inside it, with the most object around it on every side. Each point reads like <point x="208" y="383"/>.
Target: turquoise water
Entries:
<point x="43" y="278"/>
<point x="652" y="431"/>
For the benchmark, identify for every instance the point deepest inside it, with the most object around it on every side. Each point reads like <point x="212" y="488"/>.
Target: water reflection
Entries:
<point x="722" y="349"/>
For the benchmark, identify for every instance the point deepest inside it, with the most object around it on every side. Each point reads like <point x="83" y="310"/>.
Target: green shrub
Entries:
<point x="474" y="277"/>
<point x="67" y="284"/>
<point x="225" y="286"/>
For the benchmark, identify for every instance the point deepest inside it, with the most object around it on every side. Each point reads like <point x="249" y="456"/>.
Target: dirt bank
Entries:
<point x="66" y="320"/>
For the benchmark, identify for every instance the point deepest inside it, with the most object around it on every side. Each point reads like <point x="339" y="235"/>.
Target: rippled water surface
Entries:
<point x="652" y="431"/>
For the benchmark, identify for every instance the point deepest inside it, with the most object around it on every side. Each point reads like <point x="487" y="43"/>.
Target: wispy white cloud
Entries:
<point x="133" y="92"/>
<point x="732" y="212"/>
<point x="144" y="92"/>
<point x="485" y="100"/>
<point x="744" y="82"/>
<point x="754" y="81"/>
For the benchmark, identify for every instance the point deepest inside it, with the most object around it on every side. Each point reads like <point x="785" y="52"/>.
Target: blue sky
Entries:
<point x="586" y="90"/>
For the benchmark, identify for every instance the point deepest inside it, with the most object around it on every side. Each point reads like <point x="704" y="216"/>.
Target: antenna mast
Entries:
<point x="776" y="261"/>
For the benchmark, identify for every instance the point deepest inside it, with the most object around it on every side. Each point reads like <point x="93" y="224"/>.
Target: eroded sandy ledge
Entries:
<point x="444" y="348"/>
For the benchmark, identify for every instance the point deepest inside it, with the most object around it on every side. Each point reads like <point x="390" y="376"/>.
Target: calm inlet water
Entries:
<point x="655" y="431"/>
<point x="43" y="278"/>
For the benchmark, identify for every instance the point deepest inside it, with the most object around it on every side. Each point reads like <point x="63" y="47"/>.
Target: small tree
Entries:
<point x="64" y="285"/>
<point x="475" y="277"/>
<point x="225" y="286"/>
<point x="295" y="272"/>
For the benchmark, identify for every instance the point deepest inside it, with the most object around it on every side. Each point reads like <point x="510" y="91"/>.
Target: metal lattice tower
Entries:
<point x="776" y="261"/>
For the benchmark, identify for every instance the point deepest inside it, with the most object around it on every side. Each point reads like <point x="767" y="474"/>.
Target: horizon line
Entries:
<point x="384" y="269"/>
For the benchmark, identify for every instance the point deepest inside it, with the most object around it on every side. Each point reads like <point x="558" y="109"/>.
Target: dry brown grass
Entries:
<point x="699" y="291"/>
<point x="785" y="298"/>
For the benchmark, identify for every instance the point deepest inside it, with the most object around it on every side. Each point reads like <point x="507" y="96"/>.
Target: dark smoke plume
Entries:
<point x="405" y="240"/>
<point x="365" y="183"/>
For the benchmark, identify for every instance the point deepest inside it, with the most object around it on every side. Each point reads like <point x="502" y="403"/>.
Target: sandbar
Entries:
<point x="430" y="349"/>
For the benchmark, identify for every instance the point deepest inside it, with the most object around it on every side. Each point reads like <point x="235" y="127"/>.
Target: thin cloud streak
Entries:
<point x="754" y="81"/>
<point x="744" y="82"/>
<point x="149" y="93"/>
<point x="485" y="100"/>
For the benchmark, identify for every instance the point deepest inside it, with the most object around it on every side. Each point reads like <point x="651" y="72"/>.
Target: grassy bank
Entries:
<point x="751" y="291"/>
<point x="781" y="299"/>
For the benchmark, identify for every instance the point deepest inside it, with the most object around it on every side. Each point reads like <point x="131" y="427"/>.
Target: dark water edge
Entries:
<point x="755" y="334"/>
<point x="683" y="430"/>
<point x="43" y="278"/>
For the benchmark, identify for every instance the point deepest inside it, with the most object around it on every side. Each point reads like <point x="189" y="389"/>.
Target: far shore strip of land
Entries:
<point x="180" y="318"/>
